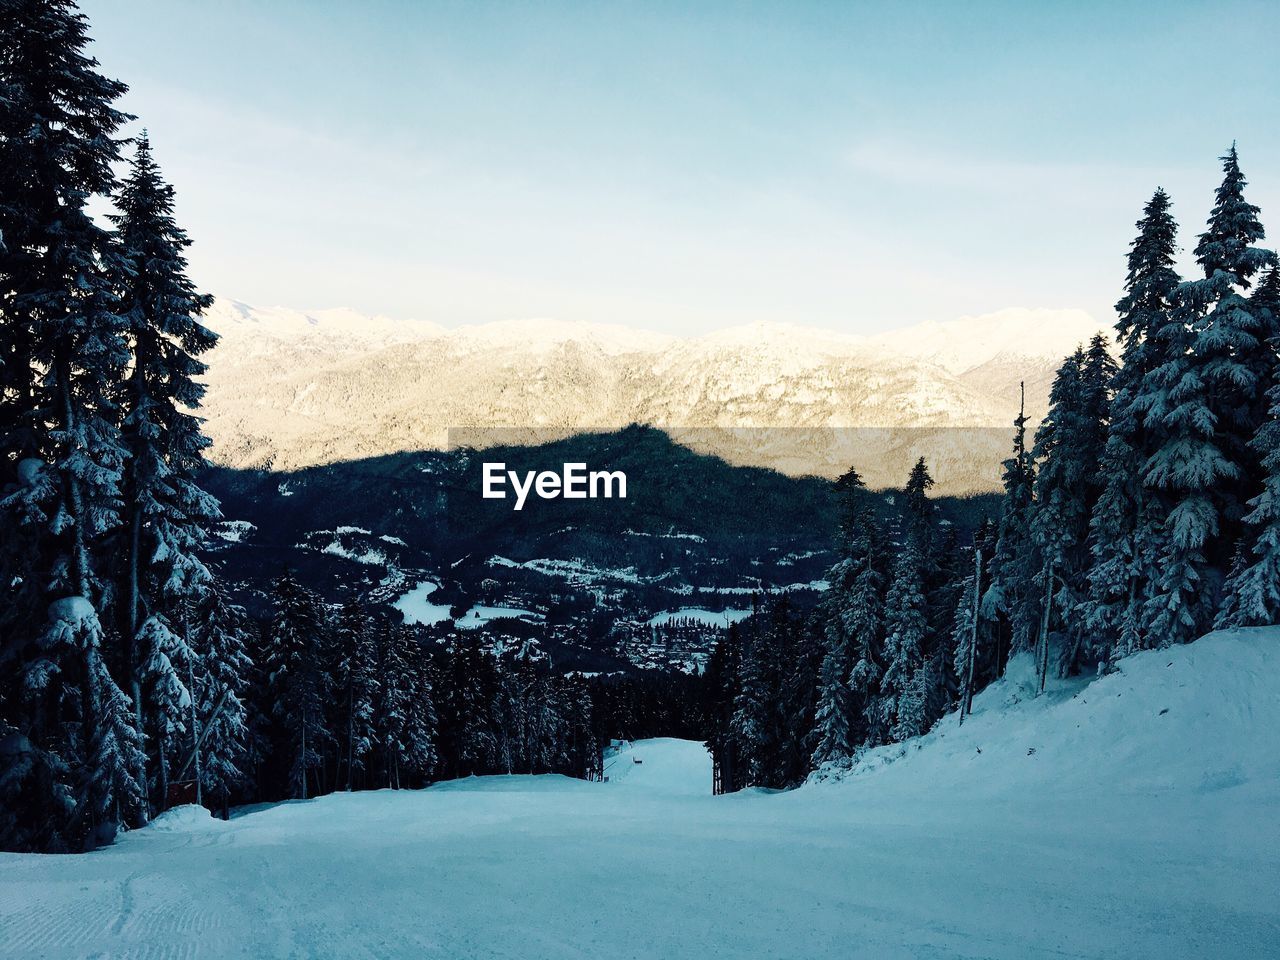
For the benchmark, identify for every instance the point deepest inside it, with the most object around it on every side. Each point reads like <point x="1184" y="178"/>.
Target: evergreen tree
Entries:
<point x="1124" y="525"/>
<point x="166" y="511"/>
<point x="851" y="616"/>
<point x="1011" y="594"/>
<point x="222" y="675"/>
<point x="902" y="703"/>
<point x="406" y="718"/>
<point x="356" y="687"/>
<point x="164" y="674"/>
<point x="1252" y="594"/>
<point x="1201" y="398"/>
<point x="972" y="658"/>
<point x="1067" y="449"/>
<point x="62" y="352"/>
<point x="297" y="686"/>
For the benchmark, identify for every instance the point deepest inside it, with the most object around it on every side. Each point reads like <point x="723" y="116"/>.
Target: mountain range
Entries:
<point x="292" y="389"/>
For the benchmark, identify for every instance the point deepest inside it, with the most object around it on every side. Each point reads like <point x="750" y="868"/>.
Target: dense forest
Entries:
<point x="1144" y="513"/>
<point x="1141" y="513"/>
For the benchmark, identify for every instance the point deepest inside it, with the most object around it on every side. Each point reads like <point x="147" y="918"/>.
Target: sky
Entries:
<point x="689" y="166"/>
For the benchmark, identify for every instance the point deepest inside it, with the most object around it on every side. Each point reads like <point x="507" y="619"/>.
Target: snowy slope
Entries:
<point x="1146" y="823"/>
<point x="331" y="385"/>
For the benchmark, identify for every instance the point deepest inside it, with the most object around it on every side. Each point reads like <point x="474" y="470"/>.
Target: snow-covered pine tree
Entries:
<point x="418" y="758"/>
<point x="103" y="753"/>
<point x="355" y="684"/>
<point x="1011" y="594"/>
<point x="968" y="635"/>
<point x="405" y="713"/>
<point x="723" y="683"/>
<point x="1067" y="449"/>
<point x="942" y="592"/>
<point x="757" y="711"/>
<point x="1251" y="596"/>
<point x="920" y="514"/>
<point x="801" y="652"/>
<point x="1123" y="527"/>
<point x="63" y="455"/>
<point x="1202" y="401"/>
<point x="833" y="721"/>
<point x="218" y="637"/>
<point x="1235" y="338"/>
<point x="297" y="687"/>
<point x="902" y="704"/>
<point x="163" y="679"/>
<point x="850" y="613"/>
<point x="166" y="512"/>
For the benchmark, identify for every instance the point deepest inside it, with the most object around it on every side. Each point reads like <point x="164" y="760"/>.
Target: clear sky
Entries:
<point x="687" y="166"/>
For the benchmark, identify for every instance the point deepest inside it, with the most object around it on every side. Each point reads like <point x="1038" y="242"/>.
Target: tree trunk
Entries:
<point x="967" y="707"/>
<point x="351" y="721"/>
<point x="1042" y="654"/>
<point x="195" y="725"/>
<point x="302" y="758"/>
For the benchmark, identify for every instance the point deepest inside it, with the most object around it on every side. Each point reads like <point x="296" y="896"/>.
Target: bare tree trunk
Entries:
<point x="1042" y="658"/>
<point x="195" y="725"/>
<point x="967" y="706"/>
<point x="302" y="757"/>
<point x="351" y="737"/>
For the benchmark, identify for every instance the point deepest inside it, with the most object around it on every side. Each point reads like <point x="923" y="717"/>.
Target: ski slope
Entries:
<point x="1137" y="816"/>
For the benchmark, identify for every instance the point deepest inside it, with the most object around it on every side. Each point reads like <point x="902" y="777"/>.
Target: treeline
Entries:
<point x="128" y="680"/>
<point x="348" y="698"/>
<point x="1145" y="512"/>
<point x="110" y="622"/>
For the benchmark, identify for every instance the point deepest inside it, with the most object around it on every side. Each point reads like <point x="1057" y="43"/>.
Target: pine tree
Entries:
<point x="356" y="687"/>
<point x="1123" y="527"/>
<point x="166" y="511"/>
<point x="222" y="676"/>
<point x="1252" y="594"/>
<point x="297" y="687"/>
<point x="851" y="616"/>
<point x="405" y="714"/>
<point x="62" y="456"/>
<point x="1067" y="449"/>
<point x="1012" y="590"/>
<point x="104" y="749"/>
<point x="902" y="703"/>
<point x="164" y="674"/>
<point x="971" y="653"/>
<point x="1202" y="397"/>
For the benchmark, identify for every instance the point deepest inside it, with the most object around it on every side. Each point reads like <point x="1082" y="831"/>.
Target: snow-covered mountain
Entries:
<point x="290" y="389"/>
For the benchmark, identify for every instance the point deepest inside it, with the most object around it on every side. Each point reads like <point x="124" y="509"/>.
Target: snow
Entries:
<point x="187" y="818"/>
<point x="370" y="556"/>
<point x="962" y="344"/>
<point x="479" y="615"/>
<point x="74" y="610"/>
<point x="417" y="607"/>
<point x="323" y="398"/>
<point x="29" y="471"/>
<point x="576" y="571"/>
<point x="233" y="531"/>
<point x="1134" y="817"/>
<point x="711" y="618"/>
